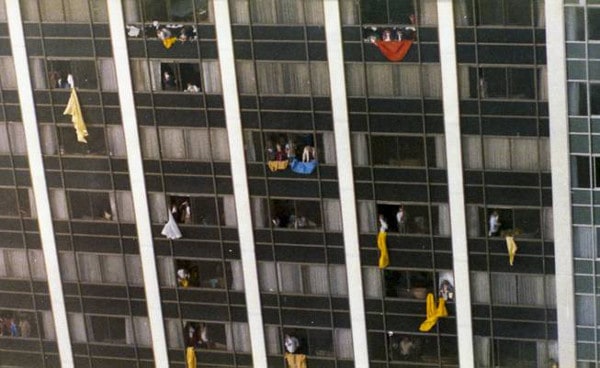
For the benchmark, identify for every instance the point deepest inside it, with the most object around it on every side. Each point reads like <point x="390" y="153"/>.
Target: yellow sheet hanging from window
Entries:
<point x="74" y="109"/>
<point x="384" y="258"/>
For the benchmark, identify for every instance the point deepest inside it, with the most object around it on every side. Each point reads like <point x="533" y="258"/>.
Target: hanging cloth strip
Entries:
<point x="384" y="259"/>
<point x="277" y="165"/>
<point x="433" y="313"/>
<point x="394" y="50"/>
<point x="295" y="360"/>
<point x="511" y="246"/>
<point x="74" y="109"/>
<point x="190" y="357"/>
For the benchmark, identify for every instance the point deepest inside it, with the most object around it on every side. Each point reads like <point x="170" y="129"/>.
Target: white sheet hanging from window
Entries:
<point x="171" y="230"/>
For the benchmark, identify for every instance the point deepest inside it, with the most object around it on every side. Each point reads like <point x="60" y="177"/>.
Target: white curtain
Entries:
<point x="319" y="75"/>
<point x="4" y="266"/>
<point x="343" y="343"/>
<point x="140" y="75"/>
<point x="267" y="276"/>
<point x="149" y="142"/>
<point x="32" y="207"/>
<point x="524" y="154"/>
<point x="229" y="209"/>
<point x="141" y="326"/>
<point x="249" y="146"/>
<point x="480" y="287"/>
<point x="497" y="153"/>
<point x="68" y="270"/>
<point x="198" y="144"/>
<point x="355" y="79"/>
<point x="238" y="10"/>
<point x="273" y="340"/>
<point x="550" y="287"/>
<point x="8" y="77"/>
<point x="440" y="152"/>
<point x="543" y="83"/>
<point x="89" y="267"/>
<point x="295" y="77"/>
<point x="16" y="263"/>
<point x="541" y="15"/>
<point x="269" y="78"/>
<point x="263" y="11"/>
<point x="37" y="69"/>
<point x="158" y="207"/>
<point x="259" y="212"/>
<point x="37" y="265"/>
<point x="338" y="282"/>
<point x="360" y="149"/>
<point x="116" y="140"/>
<point x="172" y="143"/>
<point x="174" y="333"/>
<point x="471" y="152"/>
<point x="544" y="153"/>
<point x="113" y="269"/>
<point x="211" y="73"/>
<point x="155" y="75"/>
<point x="316" y="280"/>
<point x="531" y="290"/>
<point x="482" y="351"/>
<point x="583" y="242"/>
<point x="584" y="310"/>
<point x="99" y="11"/>
<point x="75" y="10"/>
<point x="76" y="327"/>
<point x="16" y="133"/>
<point x="428" y="15"/>
<point x="48" y="139"/>
<point x="131" y="10"/>
<point x="246" y="77"/>
<point x="108" y="74"/>
<point x="290" y="278"/>
<point x="372" y="282"/>
<point x="380" y="81"/>
<point x="407" y="80"/>
<point x="431" y="78"/>
<point x="504" y="288"/>
<point x="125" y="206"/>
<point x="367" y="216"/>
<point x="333" y="215"/>
<point x="4" y="143"/>
<point x="443" y="219"/>
<point x="219" y="144"/>
<point x="2" y="11"/>
<point x="328" y="148"/>
<point x="166" y="271"/>
<point x="313" y="12"/>
<point x="289" y="11"/>
<point x="548" y="224"/>
<point x="133" y="264"/>
<point x="241" y="337"/>
<point x="48" y="325"/>
<point x="464" y="81"/>
<point x="349" y="10"/>
<point x="129" y="337"/>
<point x="473" y="226"/>
<point x="237" y="275"/>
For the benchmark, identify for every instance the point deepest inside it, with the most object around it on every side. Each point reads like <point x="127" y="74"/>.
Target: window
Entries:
<point x="388" y="11"/>
<point x="504" y="153"/>
<point x="517" y="289"/>
<point x="108" y="74"/>
<point x="192" y="144"/>
<point x="580" y="172"/>
<point x="398" y="80"/>
<point x="13" y="264"/>
<point x="133" y="264"/>
<point x="512" y="353"/>
<point x="12" y="139"/>
<point x="593" y="23"/>
<point x="295" y="214"/>
<point x="83" y="72"/>
<point x="407" y="284"/>
<point x="15" y="203"/>
<point x="205" y="274"/>
<point x="278" y="11"/>
<point x="414" y="219"/>
<point x="69" y="145"/>
<point x="90" y="205"/>
<point x="303" y="279"/>
<point x="175" y="10"/>
<point x="577" y="92"/>
<point x="212" y="336"/>
<point x="526" y="220"/>
<point x="312" y="341"/>
<point x="180" y="77"/>
<point x="282" y="78"/>
<point x="65" y="11"/>
<point x="194" y="210"/>
<point x="25" y="323"/>
<point x="8" y="78"/>
<point x="505" y="12"/>
<point x="502" y="83"/>
<point x="398" y="151"/>
<point x="116" y="141"/>
<point x="108" y="329"/>
<point x="292" y="143"/>
<point x="107" y="268"/>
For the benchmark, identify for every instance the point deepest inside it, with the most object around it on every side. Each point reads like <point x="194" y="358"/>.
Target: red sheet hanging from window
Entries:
<point x="394" y="50"/>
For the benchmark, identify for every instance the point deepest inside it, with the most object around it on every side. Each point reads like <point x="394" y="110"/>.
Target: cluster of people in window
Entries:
<point x="206" y="274"/>
<point x="295" y="215"/>
<point x="15" y="325"/>
<point x="285" y="150"/>
<point x="167" y="33"/>
<point x="188" y="75"/>
<point x="373" y="34"/>
<point x="200" y="335"/>
<point x="416" y="284"/>
<point x="404" y="224"/>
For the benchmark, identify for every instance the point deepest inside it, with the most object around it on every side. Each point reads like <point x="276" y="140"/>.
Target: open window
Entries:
<point x="180" y="77"/>
<point x="90" y="205"/>
<point x="194" y="210"/>
<point x="18" y="324"/>
<point x="203" y="335"/>
<point x="407" y="284"/>
<point x="498" y="220"/>
<point x="408" y="219"/>
<point x="311" y="341"/>
<point x="505" y="12"/>
<point x="175" y="10"/>
<point x="204" y="274"/>
<point x="295" y="214"/>
<point x="83" y="72"/>
<point x="69" y="145"/>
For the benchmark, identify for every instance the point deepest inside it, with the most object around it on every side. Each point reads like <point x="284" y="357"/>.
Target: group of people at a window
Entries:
<point x="15" y="325"/>
<point x="297" y="152"/>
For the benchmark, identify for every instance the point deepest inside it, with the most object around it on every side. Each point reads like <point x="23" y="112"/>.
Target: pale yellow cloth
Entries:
<point x="74" y="109"/>
<point x="511" y="246"/>
<point x="277" y="165"/>
<point x="433" y="313"/>
<point x="190" y="357"/>
<point x="384" y="259"/>
<point x="295" y="360"/>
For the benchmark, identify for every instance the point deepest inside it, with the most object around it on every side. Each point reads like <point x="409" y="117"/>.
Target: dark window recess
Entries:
<point x="505" y="12"/>
<point x="18" y="324"/>
<point x="180" y="77"/>
<point x="595" y="98"/>
<point x="96" y="144"/>
<point x="577" y="98"/>
<point x="502" y="83"/>
<point x="312" y="342"/>
<point x="205" y="335"/>
<point x="526" y="220"/>
<point x="407" y="284"/>
<point x="398" y="151"/>
<point x="83" y="71"/>
<point x="295" y="214"/>
<point x="511" y="353"/>
<point x="580" y="172"/>
<point x="89" y="205"/>
<point x="204" y="274"/>
<point x="14" y="205"/>
<point x="387" y="11"/>
<point x="194" y="210"/>
<point x="414" y="219"/>
<point x="593" y="23"/>
<point x="176" y="10"/>
<point x="107" y="329"/>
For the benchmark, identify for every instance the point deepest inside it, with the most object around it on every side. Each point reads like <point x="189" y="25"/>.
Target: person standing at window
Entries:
<point x="401" y="217"/>
<point x="494" y="223"/>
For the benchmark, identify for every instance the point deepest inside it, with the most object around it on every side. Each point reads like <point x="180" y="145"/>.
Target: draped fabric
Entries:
<point x="171" y="230"/>
<point x="394" y="50"/>
<point x="511" y="246"/>
<point x="315" y="280"/>
<point x="190" y="357"/>
<point x="433" y="313"/>
<point x="277" y="165"/>
<point x="74" y="109"/>
<point x="295" y="360"/>
<point x="384" y="259"/>
<point x="303" y="167"/>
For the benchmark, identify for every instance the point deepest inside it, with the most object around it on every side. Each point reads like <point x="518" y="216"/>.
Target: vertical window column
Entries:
<point x="38" y="182"/>
<point x="138" y="185"/>
<point x="456" y="195"/>
<point x="341" y="127"/>
<point x="239" y="177"/>
<point x="561" y="202"/>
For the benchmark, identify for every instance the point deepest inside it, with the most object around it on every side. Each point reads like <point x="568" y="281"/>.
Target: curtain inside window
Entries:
<point x="443" y="219"/>
<point x="58" y="204"/>
<point x="483" y="351"/>
<point x="328" y="148"/>
<point x="497" y="153"/>
<point x="116" y="140"/>
<point x="16" y="133"/>
<point x="548" y="223"/>
<point x="239" y="11"/>
<point x="125" y="206"/>
<point x="129" y="338"/>
<point x="431" y="78"/>
<point x="2" y="11"/>
<point x="140" y="75"/>
<point x="472" y="152"/>
<point x="141" y="326"/>
<point x="504" y="288"/>
<point x="259" y="212"/>
<point x="158" y="207"/>
<point x="295" y="76"/>
<point x="372" y="282"/>
<point x="428" y="14"/>
<point x="17" y="263"/>
<point x="246" y="77"/>
<point x="367" y="215"/>
<point x="37" y="265"/>
<point x="48" y="139"/>
<point x="32" y="207"/>
<point x="172" y="143"/>
<point x="289" y="11"/>
<point x="263" y="11"/>
<point x="464" y="81"/>
<point x="338" y="282"/>
<point x="349" y="11"/>
<point x="267" y="276"/>
<point x="343" y="343"/>
<point x="543" y="83"/>
<point x="166" y="271"/>
<point x="355" y="79"/>
<point x="380" y="81"/>
<point x="544" y="144"/>
<point x="273" y="340"/>
<point x="219" y="144"/>
<point x="229" y="208"/>
<point x="290" y="278"/>
<point x="133" y="264"/>
<point x="89" y="267"/>
<point x="76" y="327"/>
<point x="480" y="287"/>
<point x="38" y="73"/>
<point x="333" y="215"/>
<point x="211" y="73"/>
<point x="4" y="143"/>
<point x="52" y="10"/>
<point x="108" y="74"/>
<point x="4" y="267"/>
<point x="48" y="325"/>
<point x="29" y="11"/>
<point x="149" y="142"/>
<point x="473" y="227"/>
<point x="241" y="337"/>
<point x="319" y="77"/>
<point x="440" y="152"/>
<point x="584" y="310"/>
<point x="77" y="11"/>
<point x="198" y="144"/>
<point x="583" y="242"/>
<point x="360" y="149"/>
<point x="531" y="290"/>
<point x="407" y="80"/>
<point x="315" y="279"/>
<point x="68" y="270"/>
<point x="113" y="270"/>
<point x="237" y="275"/>
<point x="131" y="10"/>
<point x="550" y="287"/>
<point x="155" y="75"/>
<point x="524" y="154"/>
<point x="313" y="12"/>
<point x="174" y="333"/>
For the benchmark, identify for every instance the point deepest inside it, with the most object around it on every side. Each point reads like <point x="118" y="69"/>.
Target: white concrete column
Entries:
<point x="456" y="193"/>
<point x="343" y="148"/>
<point x="138" y="183"/>
<point x="38" y="181"/>
<point x="239" y="177"/>
<point x="561" y="179"/>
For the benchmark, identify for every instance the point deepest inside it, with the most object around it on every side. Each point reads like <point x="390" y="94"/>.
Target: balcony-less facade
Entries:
<point x="277" y="138"/>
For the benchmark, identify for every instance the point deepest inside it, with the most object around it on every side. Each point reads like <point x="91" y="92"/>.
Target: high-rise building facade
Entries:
<point x="328" y="177"/>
